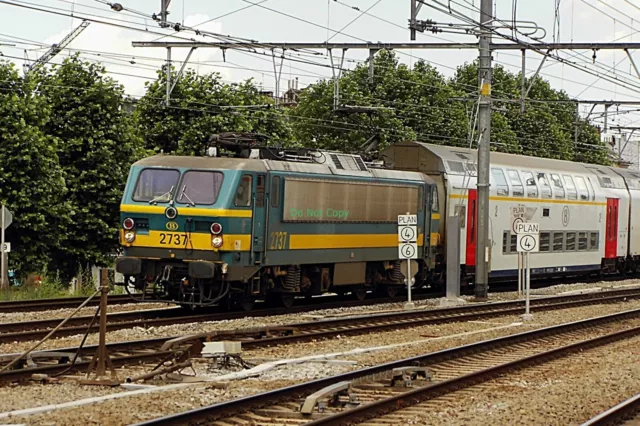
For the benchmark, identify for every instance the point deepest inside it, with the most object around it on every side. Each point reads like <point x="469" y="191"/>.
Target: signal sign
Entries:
<point x="528" y="243"/>
<point x="408" y="234"/>
<point x="408" y="251"/>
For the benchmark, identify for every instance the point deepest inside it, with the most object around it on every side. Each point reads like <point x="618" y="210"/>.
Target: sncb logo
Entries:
<point x="172" y="226"/>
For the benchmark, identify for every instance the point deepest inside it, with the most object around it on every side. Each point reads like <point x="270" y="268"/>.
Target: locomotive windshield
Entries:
<point x="199" y="187"/>
<point x="156" y="185"/>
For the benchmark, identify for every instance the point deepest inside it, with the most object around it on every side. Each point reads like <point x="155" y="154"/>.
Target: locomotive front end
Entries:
<point x="184" y="221"/>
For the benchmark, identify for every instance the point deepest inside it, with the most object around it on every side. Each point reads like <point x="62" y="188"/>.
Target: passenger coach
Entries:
<point x="586" y="212"/>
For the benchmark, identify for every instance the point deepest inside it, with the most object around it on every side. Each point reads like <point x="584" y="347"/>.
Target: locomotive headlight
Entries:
<point x="128" y="224"/>
<point x="216" y="228"/>
<point x="129" y="237"/>
<point x="216" y="242"/>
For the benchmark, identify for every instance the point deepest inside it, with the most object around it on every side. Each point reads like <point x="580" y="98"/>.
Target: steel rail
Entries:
<point x="33" y="330"/>
<point x="615" y="415"/>
<point x="239" y="406"/>
<point x="34" y="305"/>
<point x="315" y="330"/>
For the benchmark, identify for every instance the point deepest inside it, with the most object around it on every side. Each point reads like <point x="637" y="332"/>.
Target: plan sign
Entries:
<point x="527" y="228"/>
<point x="408" y="251"/>
<point x="407" y="219"/>
<point x="6" y="248"/>
<point x="528" y="243"/>
<point x="407" y="234"/>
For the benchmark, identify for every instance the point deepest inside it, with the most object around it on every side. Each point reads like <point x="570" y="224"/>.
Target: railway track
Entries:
<point x="152" y="350"/>
<point x="34" y="305"/>
<point x="34" y="330"/>
<point x="390" y="393"/>
<point x="627" y="412"/>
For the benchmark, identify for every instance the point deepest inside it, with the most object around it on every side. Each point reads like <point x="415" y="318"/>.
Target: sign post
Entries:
<point x="528" y="241"/>
<point x="408" y="247"/>
<point x="6" y="217"/>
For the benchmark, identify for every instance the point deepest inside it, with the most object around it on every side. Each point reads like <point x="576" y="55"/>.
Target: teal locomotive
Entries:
<point x="261" y="223"/>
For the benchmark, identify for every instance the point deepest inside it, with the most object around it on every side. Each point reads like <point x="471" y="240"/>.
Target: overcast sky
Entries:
<point x="386" y="21"/>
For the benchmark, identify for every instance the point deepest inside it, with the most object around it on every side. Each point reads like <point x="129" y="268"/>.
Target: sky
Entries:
<point x="32" y="31"/>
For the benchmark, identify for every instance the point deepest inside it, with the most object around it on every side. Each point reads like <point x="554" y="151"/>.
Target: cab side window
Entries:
<point x="243" y="193"/>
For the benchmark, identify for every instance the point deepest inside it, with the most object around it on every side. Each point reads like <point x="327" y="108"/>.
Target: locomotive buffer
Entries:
<point x="408" y="248"/>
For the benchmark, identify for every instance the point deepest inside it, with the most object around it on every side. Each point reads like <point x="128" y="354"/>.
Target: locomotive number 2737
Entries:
<point x="173" y="239"/>
<point x="277" y="240"/>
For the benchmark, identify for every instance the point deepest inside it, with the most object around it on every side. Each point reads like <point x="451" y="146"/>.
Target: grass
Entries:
<point x="52" y="287"/>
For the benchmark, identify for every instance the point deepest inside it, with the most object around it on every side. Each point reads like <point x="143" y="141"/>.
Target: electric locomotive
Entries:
<point x="247" y="223"/>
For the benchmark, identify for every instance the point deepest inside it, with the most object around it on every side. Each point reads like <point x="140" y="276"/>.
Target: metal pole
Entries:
<point x="168" y="76"/>
<point x="3" y="283"/>
<point x="409" y="281"/>
<point x="519" y="274"/>
<point x="523" y="89"/>
<point x="528" y="284"/>
<point x="484" y="127"/>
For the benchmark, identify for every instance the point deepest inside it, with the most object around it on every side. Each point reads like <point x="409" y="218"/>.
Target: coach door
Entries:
<point x="472" y="220"/>
<point x="258" y="220"/>
<point x="611" y="229"/>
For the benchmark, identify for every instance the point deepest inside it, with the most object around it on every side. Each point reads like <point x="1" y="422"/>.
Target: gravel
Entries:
<point x="7" y="317"/>
<point x="135" y="409"/>
<point x="182" y="329"/>
<point x="568" y="391"/>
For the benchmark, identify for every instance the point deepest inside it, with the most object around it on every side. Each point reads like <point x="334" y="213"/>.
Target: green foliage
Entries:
<point x="31" y="181"/>
<point x="202" y="105"/>
<point x="96" y="142"/>
<point x="545" y="129"/>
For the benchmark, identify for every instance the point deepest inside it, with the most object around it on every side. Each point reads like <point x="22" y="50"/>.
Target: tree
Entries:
<point x="547" y="128"/>
<point x="31" y="180"/>
<point x="96" y="143"/>
<point x="202" y="105"/>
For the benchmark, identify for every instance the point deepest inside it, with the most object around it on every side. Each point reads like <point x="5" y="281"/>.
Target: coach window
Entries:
<point x="593" y="193"/>
<point x="582" y="241"/>
<point x="593" y="241"/>
<point x="502" y="187"/>
<point x="582" y="188"/>
<point x="532" y="188"/>
<point x="461" y="212"/>
<point x="544" y="241"/>
<point x="571" y="241"/>
<point x="558" y="241"/>
<point x="516" y="183"/>
<point x="243" y="193"/>
<point x="572" y="194"/>
<point x="545" y="189"/>
<point x="275" y="191"/>
<point x="558" y="188"/>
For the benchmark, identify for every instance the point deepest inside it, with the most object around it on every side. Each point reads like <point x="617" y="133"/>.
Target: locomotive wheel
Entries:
<point x="286" y="300"/>
<point x="392" y="291"/>
<point x="248" y="304"/>
<point x="360" y="293"/>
